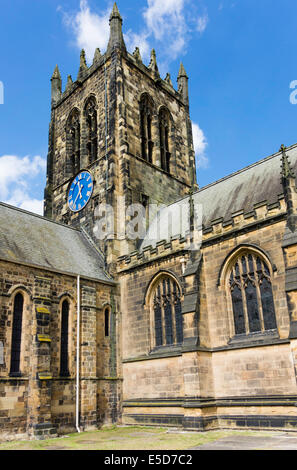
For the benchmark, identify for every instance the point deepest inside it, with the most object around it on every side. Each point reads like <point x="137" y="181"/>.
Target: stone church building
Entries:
<point x="195" y="329"/>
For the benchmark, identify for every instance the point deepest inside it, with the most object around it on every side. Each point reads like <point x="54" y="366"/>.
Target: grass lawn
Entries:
<point x="127" y="438"/>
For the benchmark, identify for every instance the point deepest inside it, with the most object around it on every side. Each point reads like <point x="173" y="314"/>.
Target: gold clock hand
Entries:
<point x="79" y="192"/>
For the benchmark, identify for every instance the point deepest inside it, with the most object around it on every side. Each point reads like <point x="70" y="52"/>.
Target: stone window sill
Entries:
<point x="259" y="337"/>
<point x="166" y="350"/>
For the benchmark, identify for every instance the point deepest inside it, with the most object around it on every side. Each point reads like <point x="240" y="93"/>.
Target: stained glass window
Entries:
<point x="64" y="367"/>
<point x="16" y="335"/>
<point x="251" y="293"/>
<point x="168" y="320"/>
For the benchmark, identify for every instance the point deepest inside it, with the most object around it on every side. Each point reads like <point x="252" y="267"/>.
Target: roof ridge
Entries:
<point x="259" y="162"/>
<point x="19" y="209"/>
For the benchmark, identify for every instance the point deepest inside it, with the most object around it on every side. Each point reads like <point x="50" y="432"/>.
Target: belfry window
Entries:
<point x="73" y="143"/>
<point x="16" y="335"/>
<point x="64" y="353"/>
<point x="251" y="294"/>
<point x="91" y="128"/>
<point x="165" y="154"/>
<point x="146" y="113"/>
<point x="167" y="314"/>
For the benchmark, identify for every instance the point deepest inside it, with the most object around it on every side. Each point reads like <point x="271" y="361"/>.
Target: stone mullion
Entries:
<point x="156" y="157"/>
<point x="173" y="319"/>
<point x="167" y="150"/>
<point x="259" y="300"/>
<point x="163" y="293"/>
<point x="149" y="138"/>
<point x="145" y="135"/>
<point x="162" y="148"/>
<point x="244" y="301"/>
<point x="231" y="317"/>
<point x="142" y="132"/>
<point x="163" y="152"/>
<point x="233" y="326"/>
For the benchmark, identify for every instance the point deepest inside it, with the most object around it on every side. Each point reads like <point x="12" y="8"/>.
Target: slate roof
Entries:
<point x="239" y="191"/>
<point x="31" y="239"/>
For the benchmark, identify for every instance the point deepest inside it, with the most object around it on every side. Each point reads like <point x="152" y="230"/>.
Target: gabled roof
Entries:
<point x="243" y="189"/>
<point x="34" y="240"/>
<point x="240" y="191"/>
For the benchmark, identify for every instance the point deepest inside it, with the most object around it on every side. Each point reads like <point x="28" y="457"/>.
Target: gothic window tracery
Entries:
<point x="164" y="126"/>
<point x="251" y="293"/>
<point x="167" y="314"/>
<point x="146" y="117"/>
<point x="92" y="130"/>
<point x="73" y="142"/>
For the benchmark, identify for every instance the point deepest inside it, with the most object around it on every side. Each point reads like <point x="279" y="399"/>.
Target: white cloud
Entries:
<point x="165" y="21"/>
<point x="90" y="29"/>
<point x="162" y="16"/>
<point x="169" y="22"/>
<point x="202" y="23"/>
<point x="16" y="173"/>
<point x="23" y="201"/>
<point x="133" y="40"/>
<point x="200" y="144"/>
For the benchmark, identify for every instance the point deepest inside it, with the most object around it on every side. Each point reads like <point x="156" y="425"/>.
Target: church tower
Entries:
<point x="119" y="135"/>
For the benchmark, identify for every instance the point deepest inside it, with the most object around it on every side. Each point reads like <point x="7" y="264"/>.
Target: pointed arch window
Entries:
<point x="16" y="335"/>
<point x="92" y="130"/>
<point x="164" y="126"/>
<point x="251" y="293"/>
<point x="167" y="313"/>
<point x="106" y="321"/>
<point x="64" y="354"/>
<point x="146" y="117"/>
<point x="73" y="143"/>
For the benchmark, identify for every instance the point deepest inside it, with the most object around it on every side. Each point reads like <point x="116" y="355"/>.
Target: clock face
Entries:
<point x="80" y="191"/>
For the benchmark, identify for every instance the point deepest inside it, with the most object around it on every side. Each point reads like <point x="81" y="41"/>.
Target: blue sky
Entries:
<point x="240" y="56"/>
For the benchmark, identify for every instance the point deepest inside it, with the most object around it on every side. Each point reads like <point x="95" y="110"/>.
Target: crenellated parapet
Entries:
<point x="176" y="246"/>
<point x="244" y="221"/>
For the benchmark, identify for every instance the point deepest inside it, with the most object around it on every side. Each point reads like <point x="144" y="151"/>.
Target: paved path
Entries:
<point x="281" y="441"/>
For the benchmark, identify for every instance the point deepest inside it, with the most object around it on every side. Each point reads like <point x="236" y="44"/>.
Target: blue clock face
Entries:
<point x="80" y="191"/>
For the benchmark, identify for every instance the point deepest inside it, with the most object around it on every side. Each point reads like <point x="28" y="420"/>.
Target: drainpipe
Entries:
<point x="77" y="354"/>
